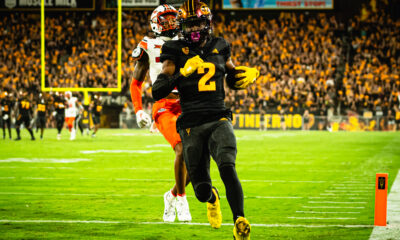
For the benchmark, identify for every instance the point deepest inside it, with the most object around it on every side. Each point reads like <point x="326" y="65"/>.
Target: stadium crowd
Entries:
<point x="307" y="61"/>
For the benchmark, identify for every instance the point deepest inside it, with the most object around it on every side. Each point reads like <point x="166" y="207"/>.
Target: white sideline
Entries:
<point x="183" y="223"/>
<point x="392" y="230"/>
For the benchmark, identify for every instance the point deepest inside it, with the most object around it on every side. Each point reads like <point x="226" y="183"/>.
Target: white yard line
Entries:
<point x="86" y="168"/>
<point x="348" y="194"/>
<point x="322" y="218"/>
<point x="329" y="207"/>
<point x="392" y="230"/>
<point x="336" y="197"/>
<point x="181" y="223"/>
<point x="157" y="180"/>
<point x="344" y="191"/>
<point x="337" y="202"/>
<point x="128" y="195"/>
<point x="316" y="212"/>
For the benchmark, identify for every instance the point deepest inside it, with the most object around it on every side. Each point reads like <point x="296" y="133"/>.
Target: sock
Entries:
<point x="182" y="195"/>
<point x="17" y="129"/>
<point x="30" y="131"/>
<point x="234" y="192"/>
<point x="173" y="193"/>
<point x="213" y="198"/>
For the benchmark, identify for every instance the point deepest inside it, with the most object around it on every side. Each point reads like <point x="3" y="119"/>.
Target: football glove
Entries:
<point x="143" y="119"/>
<point x="5" y="117"/>
<point x="247" y="77"/>
<point x="191" y="65"/>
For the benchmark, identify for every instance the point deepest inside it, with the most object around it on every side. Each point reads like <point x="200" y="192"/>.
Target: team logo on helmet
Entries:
<point x="185" y="50"/>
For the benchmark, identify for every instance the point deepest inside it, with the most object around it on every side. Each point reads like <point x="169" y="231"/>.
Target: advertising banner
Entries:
<point x="278" y="4"/>
<point x="26" y="5"/>
<point x="298" y="122"/>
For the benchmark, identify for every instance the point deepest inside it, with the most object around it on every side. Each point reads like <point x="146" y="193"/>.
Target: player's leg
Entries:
<point x="72" y="128"/>
<point x="17" y="127"/>
<point x="8" y="121"/>
<point x="9" y="127"/>
<point x="96" y="122"/>
<point x="222" y="144"/>
<point x="27" y="123"/>
<point x="3" y="123"/>
<point x="197" y="159"/>
<point x="166" y="123"/>
<point x="60" y="124"/>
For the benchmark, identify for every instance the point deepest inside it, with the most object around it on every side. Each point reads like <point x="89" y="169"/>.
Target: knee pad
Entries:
<point x="203" y="192"/>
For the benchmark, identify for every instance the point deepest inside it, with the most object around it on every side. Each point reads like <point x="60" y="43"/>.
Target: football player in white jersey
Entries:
<point x="70" y="113"/>
<point x="165" y="111"/>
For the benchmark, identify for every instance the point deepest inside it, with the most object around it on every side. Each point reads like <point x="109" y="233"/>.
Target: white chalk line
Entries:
<point x="119" y="151"/>
<point x="343" y="191"/>
<point x="154" y="180"/>
<point x="85" y="168"/>
<point x="330" y="207"/>
<point x="182" y="223"/>
<point x="45" y="160"/>
<point x="322" y="218"/>
<point x="316" y="212"/>
<point x="130" y="195"/>
<point x="345" y="194"/>
<point x="337" y="197"/>
<point x="337" y="202"/>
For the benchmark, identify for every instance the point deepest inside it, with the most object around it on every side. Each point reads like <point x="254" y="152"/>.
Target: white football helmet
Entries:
<point x="163" y="21"/>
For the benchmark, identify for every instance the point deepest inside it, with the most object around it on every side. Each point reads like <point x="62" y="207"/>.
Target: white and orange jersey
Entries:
<point x="71" y="108"/>
<point x="151" y="46"/>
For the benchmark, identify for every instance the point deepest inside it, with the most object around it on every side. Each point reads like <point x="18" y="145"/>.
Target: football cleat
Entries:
<point x="169" y="207"/>
<point x="182" y="209"/>
<point x="214" y="214"/>
<point x="58" y="136"/>
<point x="241" y="230"/>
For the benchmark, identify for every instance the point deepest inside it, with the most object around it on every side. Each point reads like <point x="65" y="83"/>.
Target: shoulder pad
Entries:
<point x="142" y="47"/>
<point x="171" y="50"/>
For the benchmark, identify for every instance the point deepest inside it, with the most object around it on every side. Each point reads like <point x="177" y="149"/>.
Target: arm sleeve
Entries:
<point x="136" y="94"/>
<point x="164" y="85"/>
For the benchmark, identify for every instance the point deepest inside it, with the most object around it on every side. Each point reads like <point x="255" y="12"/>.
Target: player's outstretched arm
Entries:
<point x="139" y="74"/>
<point x="240" y="77"/>
<point x="166" y="80"/>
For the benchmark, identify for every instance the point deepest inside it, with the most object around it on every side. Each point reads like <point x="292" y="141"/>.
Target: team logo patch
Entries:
<point x="185" y="50"/>
<point x="11" y="3"/>
<point x="215" y="51"/>
<point x="161" y="110"/>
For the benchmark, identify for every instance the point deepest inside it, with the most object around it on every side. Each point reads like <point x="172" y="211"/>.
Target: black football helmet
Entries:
<point x="194" y="19"/>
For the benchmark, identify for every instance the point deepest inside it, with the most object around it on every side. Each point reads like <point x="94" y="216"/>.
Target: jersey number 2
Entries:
<point x="204" y="84"/>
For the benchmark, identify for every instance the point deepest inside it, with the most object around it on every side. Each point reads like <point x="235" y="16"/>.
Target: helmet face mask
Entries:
<point x="163" y="21"/>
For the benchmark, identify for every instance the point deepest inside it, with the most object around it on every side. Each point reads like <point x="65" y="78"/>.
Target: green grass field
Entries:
<point x="297" y="185"/>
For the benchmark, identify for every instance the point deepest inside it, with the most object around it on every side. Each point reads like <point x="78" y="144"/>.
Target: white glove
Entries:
<point x="5" y="117"/>
<point x="54" y="113"/>
<point x="143" y="119"/>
